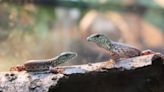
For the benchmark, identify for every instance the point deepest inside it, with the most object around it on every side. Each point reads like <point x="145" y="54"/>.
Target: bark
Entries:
<point x="138" y="74"/>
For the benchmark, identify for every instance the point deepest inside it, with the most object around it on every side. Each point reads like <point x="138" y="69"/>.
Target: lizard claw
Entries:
<point x="147" y="52"/>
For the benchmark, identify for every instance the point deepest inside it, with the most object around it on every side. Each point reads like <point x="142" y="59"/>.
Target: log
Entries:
<point x="138" y="74"/>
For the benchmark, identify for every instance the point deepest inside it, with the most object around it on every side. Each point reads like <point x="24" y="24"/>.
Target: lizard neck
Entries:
<point x="57" y="62"/>
<point x="53" y="62"/>
<point x="107" y="45"/>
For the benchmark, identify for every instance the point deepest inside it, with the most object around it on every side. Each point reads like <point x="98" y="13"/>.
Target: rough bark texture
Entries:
<point x="139" y="74"/>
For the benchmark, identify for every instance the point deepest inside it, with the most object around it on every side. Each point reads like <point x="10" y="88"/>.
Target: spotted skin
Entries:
<point x="124" y="51"/>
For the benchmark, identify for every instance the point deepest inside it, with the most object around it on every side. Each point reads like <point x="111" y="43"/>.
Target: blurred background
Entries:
<point x="41" y="29"/>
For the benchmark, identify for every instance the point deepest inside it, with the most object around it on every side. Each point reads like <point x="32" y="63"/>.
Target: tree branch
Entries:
<point x="138" y="74"/>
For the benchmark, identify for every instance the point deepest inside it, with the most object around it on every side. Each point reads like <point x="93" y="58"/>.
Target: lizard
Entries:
<point x="45" y="64"/>
<point x="116" y="50"/>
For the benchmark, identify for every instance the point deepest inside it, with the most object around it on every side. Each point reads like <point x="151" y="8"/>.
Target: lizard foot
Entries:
<point x="17" y="68"/>
<point x="56" y="70"/>
<point x="147" y="52"/>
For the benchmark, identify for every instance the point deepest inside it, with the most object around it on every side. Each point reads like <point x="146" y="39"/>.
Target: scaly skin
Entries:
<point x="116" y="50"/>
<point x="44" y="65"/>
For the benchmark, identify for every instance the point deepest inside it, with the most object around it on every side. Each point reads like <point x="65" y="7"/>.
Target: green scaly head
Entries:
<point x="63" y="57"/>
<point x="101" y="40"/>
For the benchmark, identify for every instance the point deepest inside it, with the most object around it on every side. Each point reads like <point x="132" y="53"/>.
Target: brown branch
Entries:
<point x="138" y="74"/>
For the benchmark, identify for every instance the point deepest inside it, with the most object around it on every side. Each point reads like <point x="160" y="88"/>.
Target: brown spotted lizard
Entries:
<point x="44" y="65"/>
<point x="116" y="50"/>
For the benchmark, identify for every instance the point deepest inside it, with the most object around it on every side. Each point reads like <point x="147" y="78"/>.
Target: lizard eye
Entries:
<point x="66" y="55"/>
<point x="98" y="36"/>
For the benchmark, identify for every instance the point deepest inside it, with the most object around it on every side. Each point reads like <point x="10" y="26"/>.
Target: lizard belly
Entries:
<point x="37" y="66"/>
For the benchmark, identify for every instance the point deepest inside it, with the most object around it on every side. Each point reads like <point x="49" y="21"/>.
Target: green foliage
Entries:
<point x="44" y="16"/>
<point x="155" y="17"/>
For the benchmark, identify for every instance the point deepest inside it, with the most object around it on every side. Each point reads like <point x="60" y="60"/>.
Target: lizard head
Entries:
<point x="101" y="40"/>
<point x="64" y="57"/>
